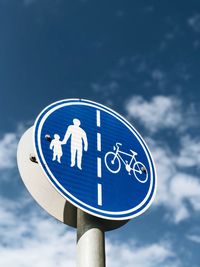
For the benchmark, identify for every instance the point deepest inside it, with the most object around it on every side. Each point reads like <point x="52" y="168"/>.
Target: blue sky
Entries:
<point x="140" y="58"/>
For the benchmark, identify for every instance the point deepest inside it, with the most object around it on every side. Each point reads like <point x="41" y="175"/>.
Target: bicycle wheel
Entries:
<point x="112" y="163"/>
<point x="140" y="172"/>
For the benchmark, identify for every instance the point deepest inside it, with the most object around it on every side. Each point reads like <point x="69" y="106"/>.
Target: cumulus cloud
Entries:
<point x="178" y="183"/>
<point x="158" y="113"/>
<point x="33" y="239"/>
<point x="176" y="188"/>
<point x="184" y="187"/>
<point x="190" y="152"/>
<point x="193" y="237"/>
<point x="132" y="254"/>
<point x="8" y="147"/>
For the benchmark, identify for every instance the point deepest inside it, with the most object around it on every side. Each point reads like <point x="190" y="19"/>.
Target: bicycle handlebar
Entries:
<point x="118" y="144"/>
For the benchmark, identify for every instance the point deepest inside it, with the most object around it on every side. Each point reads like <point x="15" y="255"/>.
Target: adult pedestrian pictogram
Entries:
<point x="78" y="140"/>
<point x="95" y="159"/>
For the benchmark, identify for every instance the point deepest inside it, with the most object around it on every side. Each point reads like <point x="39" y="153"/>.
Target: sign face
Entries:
<point x="95" y="159"/>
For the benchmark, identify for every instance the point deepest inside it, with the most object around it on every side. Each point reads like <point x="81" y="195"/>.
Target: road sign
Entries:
<point x="95" y="159"/>
<point x="44" y="193"/>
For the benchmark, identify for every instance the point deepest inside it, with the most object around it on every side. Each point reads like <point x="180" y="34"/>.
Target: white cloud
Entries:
<point x="33" y="239"/>
<point x="190" y="152"/>
<point x="165" y="171"/>
<point x="158" y="113"/>
<point x="193" y="237"/>
<point x="175" y="188"/>
<point x="8" y="147"/>
<point x="185" y="188"/>
<point x="178" y="184"/>
<point x="121" y="254"/>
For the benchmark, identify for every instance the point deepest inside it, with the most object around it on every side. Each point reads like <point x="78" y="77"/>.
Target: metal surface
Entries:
<point x="38" y="185"/>
<point x="90" y="241"/>
<point x="95" y="159"/>
<point x="43" y="192"/>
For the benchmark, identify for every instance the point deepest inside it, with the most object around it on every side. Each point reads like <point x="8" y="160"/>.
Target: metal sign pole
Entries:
<point x="90" y="241"/>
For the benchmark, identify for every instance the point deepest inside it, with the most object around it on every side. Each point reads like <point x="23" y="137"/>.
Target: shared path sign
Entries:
<point x="95" y="159"/>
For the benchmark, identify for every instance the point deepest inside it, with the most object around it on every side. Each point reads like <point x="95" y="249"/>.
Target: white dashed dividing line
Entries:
<point x="98" y="118"/>
<point x="98" y="141"/>
<point x="99" y="188"/>
<point x="99" y="169"/>
<point x="99" y="173"/>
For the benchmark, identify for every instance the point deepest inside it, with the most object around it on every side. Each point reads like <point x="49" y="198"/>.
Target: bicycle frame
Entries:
<point x="131" y="166"/>
<point x="118" y="152"/>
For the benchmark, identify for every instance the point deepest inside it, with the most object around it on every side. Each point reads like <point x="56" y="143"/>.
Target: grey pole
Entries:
<point x="90" y="241"/>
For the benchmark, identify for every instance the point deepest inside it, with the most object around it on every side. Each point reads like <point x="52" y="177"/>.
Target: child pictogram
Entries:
<point x="56" y="146"/>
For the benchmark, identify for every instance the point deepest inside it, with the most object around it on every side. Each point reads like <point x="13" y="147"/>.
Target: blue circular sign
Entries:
<point x="95" y="159"/>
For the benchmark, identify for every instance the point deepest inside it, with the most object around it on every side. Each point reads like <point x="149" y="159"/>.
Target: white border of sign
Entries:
<point x="120" y="215"/>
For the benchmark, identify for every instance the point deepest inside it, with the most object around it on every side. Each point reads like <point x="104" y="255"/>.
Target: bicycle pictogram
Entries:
<point x="114" y="160"/>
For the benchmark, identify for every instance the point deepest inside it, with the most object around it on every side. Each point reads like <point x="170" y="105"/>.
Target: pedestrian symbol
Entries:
<point x="95" y="159"/>
<point x="78" y="139"/>
<point x="56" y="146"/>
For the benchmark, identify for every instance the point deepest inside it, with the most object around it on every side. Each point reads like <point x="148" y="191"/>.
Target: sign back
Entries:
<point x="95" y="159"/>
